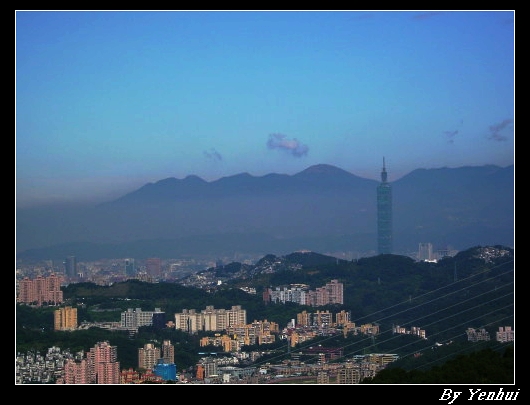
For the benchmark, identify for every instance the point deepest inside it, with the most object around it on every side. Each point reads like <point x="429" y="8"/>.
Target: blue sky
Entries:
<point x="108" y="101"/>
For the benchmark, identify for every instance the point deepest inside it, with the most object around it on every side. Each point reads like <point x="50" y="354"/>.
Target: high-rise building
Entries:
<point x="505" y="334"/>
<point x="335" y="292"/>
<point x="130" y="268"/>
<point x="168" y="351"/>
<point x="135" y="318"/>
<point x="210" y="319"/>
<point x="343" y="318"/>
<point x="348" y="375"/>
<point x="65" y="318"/>
<point x="323" y="377"/>
<point x="148" y="356"/>
<point x="77" y="372"/>
<point x="70" y="267"/>
<point x="41" y="290"/>
<point x="425" y="252"/>
<point x="100" y="366"/>
<point x="384" y="214"/>
<point x="153" y="266"/>
<point x="104" y="367"/>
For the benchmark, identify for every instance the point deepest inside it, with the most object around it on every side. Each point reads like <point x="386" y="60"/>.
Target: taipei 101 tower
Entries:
<point x="384" y="214"/>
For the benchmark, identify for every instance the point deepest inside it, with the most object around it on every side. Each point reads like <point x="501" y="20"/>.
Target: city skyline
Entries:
<point x="107" y="101"/>
<point x="366" y="318"/>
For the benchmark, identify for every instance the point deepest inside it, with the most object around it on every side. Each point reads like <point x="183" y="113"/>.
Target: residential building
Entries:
<point x="210" y="319"/>
<point x="349" y="374"/>
<point x="323" y="377"/>
<point x="134" y="318"/>
<point x="65" y="319"/>
<point x="100" y="366"/>
<point x="105" y="369"/>
<point x="41" y="290"/>
<point x="343" y="318"/>
<point x="505" y="334"/>
<point x="323" y="319"/>
<point x="148" y="356"/>
<point x="425" y="252"/>
<point x="330" y="293"/>
<point x="77" y="372"/>
<point x="475" y="335"/>
<point x="168" y="351"/>
<point x="335" y="291"/>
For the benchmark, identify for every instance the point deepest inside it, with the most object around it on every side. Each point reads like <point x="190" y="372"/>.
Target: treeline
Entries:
<point x="485" y="366"/>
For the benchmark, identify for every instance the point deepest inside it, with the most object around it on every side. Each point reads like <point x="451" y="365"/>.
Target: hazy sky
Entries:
<point x="108" y="101"/>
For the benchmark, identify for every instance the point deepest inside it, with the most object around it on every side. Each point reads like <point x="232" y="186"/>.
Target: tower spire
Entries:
<point x="383" y="173"/>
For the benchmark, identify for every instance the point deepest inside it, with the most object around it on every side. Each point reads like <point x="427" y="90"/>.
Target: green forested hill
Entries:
<point x="486" y="366"/>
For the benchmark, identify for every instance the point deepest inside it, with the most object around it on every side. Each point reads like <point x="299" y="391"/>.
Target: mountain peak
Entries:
<point x="323" y="169"/>
<point x="192" y="178"/>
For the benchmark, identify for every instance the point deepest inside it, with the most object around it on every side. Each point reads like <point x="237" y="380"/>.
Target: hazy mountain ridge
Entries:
<point x="322" y="208"/>
<point x="325" y="177"/>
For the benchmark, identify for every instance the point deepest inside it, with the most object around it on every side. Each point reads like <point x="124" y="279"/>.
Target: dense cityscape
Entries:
<point x="229" y="334"/>
<point x="156" y="362"/>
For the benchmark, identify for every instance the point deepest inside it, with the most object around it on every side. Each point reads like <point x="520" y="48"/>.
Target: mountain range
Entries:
<point x="322" y="208"/>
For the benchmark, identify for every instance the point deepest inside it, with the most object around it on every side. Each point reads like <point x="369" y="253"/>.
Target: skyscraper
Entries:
<point x="384" y="214"/>
<point x="130" y="269"/>
<point x="70" y="267"/>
